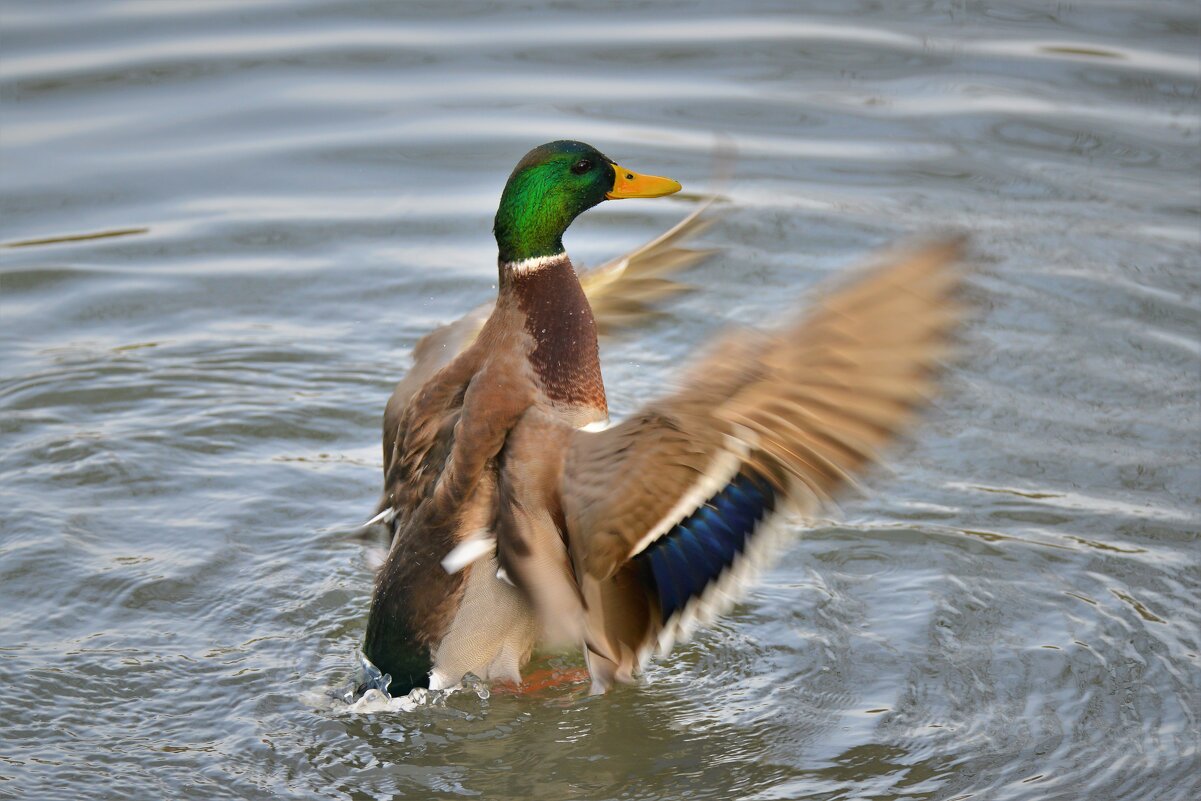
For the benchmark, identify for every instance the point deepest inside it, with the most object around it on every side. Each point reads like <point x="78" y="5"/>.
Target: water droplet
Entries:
<point x="477" y="685"/>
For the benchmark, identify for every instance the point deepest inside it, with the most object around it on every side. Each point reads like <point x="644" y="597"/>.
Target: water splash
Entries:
<point x="368" y="693"/>
<point x="371" y="677"/>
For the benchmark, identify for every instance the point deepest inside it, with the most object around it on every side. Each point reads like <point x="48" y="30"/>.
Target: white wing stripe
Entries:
<point x="475" y="547"/>
<point x="721" y="471"/>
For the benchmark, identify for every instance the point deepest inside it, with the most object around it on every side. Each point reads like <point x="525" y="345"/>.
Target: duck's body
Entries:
<point x="469" y="443"/>
<point x="517" y="521"/>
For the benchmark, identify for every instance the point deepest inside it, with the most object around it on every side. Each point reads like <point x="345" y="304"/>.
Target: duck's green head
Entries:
<point x="551" y="186"/>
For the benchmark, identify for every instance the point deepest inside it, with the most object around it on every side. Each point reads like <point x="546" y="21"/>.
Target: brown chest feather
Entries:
<point x="565" y="357"/>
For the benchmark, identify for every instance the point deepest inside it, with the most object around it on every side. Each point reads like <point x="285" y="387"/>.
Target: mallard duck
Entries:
<point x="519" y="517"/>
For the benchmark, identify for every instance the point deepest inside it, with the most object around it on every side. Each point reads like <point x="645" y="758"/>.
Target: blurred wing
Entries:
<point x="622" y="292"/>
<point x="682" y="496"/>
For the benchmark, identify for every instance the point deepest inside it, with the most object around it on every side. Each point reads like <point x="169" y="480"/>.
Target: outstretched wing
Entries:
<point x="623" y="292"/>
<point x="677" y="503"/>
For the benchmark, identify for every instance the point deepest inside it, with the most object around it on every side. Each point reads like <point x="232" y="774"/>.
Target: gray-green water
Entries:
<point x="190" y="410"/>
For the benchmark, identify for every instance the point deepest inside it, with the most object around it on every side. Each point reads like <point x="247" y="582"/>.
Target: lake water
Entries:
<point x="291" y="193"/>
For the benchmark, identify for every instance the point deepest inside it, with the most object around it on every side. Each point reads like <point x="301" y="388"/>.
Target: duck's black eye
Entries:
<point x="582" y="166"/>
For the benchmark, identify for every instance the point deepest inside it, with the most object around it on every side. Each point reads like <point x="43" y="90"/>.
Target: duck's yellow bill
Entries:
<point x="627" y="183"/>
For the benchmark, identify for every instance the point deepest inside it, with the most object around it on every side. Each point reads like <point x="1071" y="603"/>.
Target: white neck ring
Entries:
<point x="532" y="265"/>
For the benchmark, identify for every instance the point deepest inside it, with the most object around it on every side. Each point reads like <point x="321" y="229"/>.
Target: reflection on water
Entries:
<point x="225" y="224"/>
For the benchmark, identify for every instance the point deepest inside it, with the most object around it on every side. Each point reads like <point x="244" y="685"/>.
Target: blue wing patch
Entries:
<point x="702" y="546"/>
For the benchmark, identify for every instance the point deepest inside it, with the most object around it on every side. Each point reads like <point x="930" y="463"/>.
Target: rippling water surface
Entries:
<point x="225" y="224"/>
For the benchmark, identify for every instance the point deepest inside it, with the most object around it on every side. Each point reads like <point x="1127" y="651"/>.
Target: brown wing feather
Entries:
<point x="622" y="292"/>
<point x="809" y="406"/>
<point x="441" y="486"/>
<point x="433" y="351"/>
<point x="805" y="409"/>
